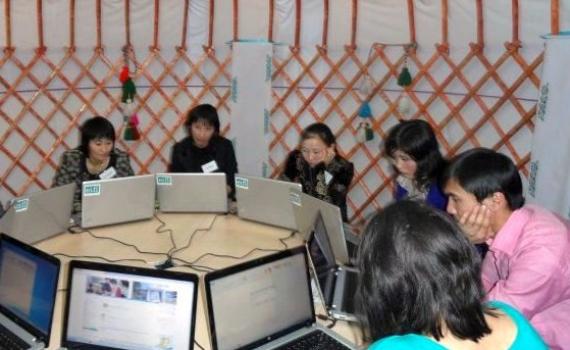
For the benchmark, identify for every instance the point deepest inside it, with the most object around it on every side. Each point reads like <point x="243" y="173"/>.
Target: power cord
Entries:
<point x="99" y="257"/>
<point x="187" y="245"/>
<point x="200" y="346"/>
<point x="169" y="262"/>
<point x="161" y="229"/>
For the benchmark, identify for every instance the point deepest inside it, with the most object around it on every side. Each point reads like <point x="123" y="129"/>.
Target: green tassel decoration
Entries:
<point x="131" y="131"/>
<point x="129" y="91"/>
<point x="405" y="78"/>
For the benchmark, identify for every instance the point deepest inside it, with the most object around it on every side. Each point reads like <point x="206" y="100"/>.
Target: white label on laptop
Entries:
<point x="328" y="177"/>
<point x="21" y="205"/>
<point x="108" y="174"/>
<point x="91" y="190"/>
<point x="295" y="198"/>
<point x="242" y="182"/>
<point x="210" y="167"/>
<point x="163" y="180"/>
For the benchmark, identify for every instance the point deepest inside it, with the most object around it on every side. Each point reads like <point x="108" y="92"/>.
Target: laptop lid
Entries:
<point x="335" y="284"/>
<point x="28" y="289"/>
<point x="256" y="302"/>
<point x="265" y="200"/>
<point x="118" y="200"/>
<point x="305" y="209"/>
<point x="40" y="215"/>
<point x="322" y="260"/>
<point x="192" y="192"/>
<point x="123" y="307"/>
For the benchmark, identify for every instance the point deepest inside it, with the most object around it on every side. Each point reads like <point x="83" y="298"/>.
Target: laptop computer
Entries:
<point x="192" y="192"/>
<point x="336" y="284"/>
<point x="265" y="200"/>
<point x="28" y="289"/>
<point x="264" y="304"/>
<point x="305" y="210"/>
<point x="123" y="307"/>
<point x="112" y="201"/>
<point x="40" y="215"/>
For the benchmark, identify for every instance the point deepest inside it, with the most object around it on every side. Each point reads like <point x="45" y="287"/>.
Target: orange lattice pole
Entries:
<point x="40" y="20"/>
<point x="326" y="10"/>
<point x="555" y="17"/>
<point x="98" y="16"/>
<point x="8" y="23"/>
<point x="184" y="26"/>
<point x="156" y="25"/>
<point x="412" y="21"/>
<point x="235" y="20"/>
<point x="211" y="25"/>
<point x="271" y="20"/>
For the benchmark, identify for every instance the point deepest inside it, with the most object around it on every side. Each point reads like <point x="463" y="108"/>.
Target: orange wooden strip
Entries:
<point x="480" y="31"/>
<point x="555" y="17"/>
<point x="411" y="21"/>
<point x="72" y="24"/>
<point x="298" y="9"/>
<point x="128" y="22"/>
<point x="156" y="24"/>
<point x="211" y="25"/>
<point x="184" y="25"/>
<point x="271" y="20"/>
<point x="354" y="23"/>
<point x="98" y="16"/>
<point x="235" y="19"/>
<point x="445" y="23"/>
<point x="8" y="22"/>
<point x="40" y="20"/>
<point x="515" y="20"/>
<point x="324" y="40"/>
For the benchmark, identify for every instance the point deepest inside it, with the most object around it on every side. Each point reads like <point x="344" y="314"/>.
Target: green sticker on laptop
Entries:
<point x="92" y="189"/>
<point x="295" y="198"/>
<point x="21" y="205"/>
<point x="242" y="182"/>
<point x="163" y="180"/>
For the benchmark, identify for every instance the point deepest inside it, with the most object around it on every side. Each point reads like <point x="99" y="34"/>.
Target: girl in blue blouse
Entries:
<point x="420" y="288"/>
<point x="414" y="151"/>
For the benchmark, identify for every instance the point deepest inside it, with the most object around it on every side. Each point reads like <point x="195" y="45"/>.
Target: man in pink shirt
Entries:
<point x="528" y="263"/>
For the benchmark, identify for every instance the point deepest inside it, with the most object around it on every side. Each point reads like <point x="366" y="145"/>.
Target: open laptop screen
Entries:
<point x="28" y="285"/>
<point x="129" y="308"/>
<point x="256" y="302"/>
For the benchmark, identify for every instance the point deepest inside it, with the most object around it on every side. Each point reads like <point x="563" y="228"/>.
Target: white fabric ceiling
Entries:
<point x="378" y="21"/>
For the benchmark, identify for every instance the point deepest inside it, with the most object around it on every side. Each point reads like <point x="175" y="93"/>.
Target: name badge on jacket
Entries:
<point x="328" y="177"/>
<point x="108" y="174"/>
<point x="210" y="167"/>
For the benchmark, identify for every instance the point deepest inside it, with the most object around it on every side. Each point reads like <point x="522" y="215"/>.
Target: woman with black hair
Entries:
<point x="420" y="287"/>
<point x="95" y="158"/>
<point x="318" y="167"/>
<point x="414" y="151"/>
<point x="204" y="150"/>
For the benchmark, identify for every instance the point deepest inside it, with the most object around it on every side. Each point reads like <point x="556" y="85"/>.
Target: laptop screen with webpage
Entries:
<point x="256" y="302"/>
<point x="129" y="308"/>
<point x="28" y="286"/>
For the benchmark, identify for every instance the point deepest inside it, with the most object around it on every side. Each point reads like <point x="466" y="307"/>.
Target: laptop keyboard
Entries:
<point x="8" y="341"/>
<point x="315" y="341"/>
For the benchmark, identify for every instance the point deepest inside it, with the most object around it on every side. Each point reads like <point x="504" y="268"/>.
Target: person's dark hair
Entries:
<point x="204" y="113"/>
<point x="321" y="131"/>
<point x="93" y="129"/>
<point x="419" y="273"/>
<point x="417" y="139"/>
<point x="482" y="172"/>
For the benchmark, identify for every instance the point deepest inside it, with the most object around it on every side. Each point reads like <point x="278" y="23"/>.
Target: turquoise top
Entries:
<point x="527" y="338"/>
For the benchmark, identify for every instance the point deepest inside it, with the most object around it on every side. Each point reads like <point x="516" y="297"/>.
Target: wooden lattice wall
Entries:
<point x="45" y="94"/>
